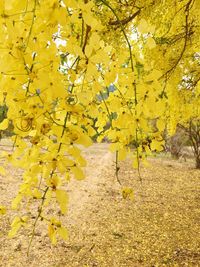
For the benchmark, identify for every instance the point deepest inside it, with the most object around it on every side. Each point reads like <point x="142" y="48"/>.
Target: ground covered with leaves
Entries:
<point x="159" y="227"/>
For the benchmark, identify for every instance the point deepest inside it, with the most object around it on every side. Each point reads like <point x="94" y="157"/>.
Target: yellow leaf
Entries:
<point x="122" y="154"/>
<point x="135" y="163"/>
<point x="52" y="234"/>
<point x="82" y="161"/>
<point x="74" y="151"/>
<point x="150" y="43"/>
<point x="14" y="230"/>
<point x="78" y="173"/>
<point x="37" y="194"/>
<point x="154" y="75"/>
<point x="62" y="199"/>
<point x="54" y="181"/>
<point x="16" y="225"/>
<point x="62" y="231"/>
<point x="84" y="140"/>
<point x="127" y="192"/>
<point x="160" y="125"/>
<point x="143" y="26"/>
<point x="48" y="198"/>
<point x="71" y="3"/>
<point x="67" y="176"/>
<point x="4" y="124"/>
<point x="2" y="210"/>
<point x="115" y="146"/>
<point x="157" y="145"/>
<point x="16" y="201"/>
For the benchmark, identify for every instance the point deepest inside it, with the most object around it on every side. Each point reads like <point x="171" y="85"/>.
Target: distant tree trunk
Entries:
<point x="194" y="133"/>
<point x="198" y="162"/>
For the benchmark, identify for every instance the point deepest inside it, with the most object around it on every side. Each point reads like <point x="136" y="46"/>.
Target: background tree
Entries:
<point x="192" y="130"/>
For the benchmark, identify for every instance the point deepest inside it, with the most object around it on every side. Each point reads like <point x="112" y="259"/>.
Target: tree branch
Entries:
<point x="168" y="73"/>
<point x="126" y="20"/>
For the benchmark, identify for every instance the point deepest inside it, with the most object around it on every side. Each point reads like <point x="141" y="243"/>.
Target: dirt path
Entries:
<point x="86" y="193"/>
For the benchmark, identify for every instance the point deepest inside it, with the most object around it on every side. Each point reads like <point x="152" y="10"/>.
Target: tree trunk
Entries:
<point x="198" y="162"/>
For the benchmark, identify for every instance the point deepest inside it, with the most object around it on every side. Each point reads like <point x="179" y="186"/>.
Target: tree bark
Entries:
<point x="198" y="162"/>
